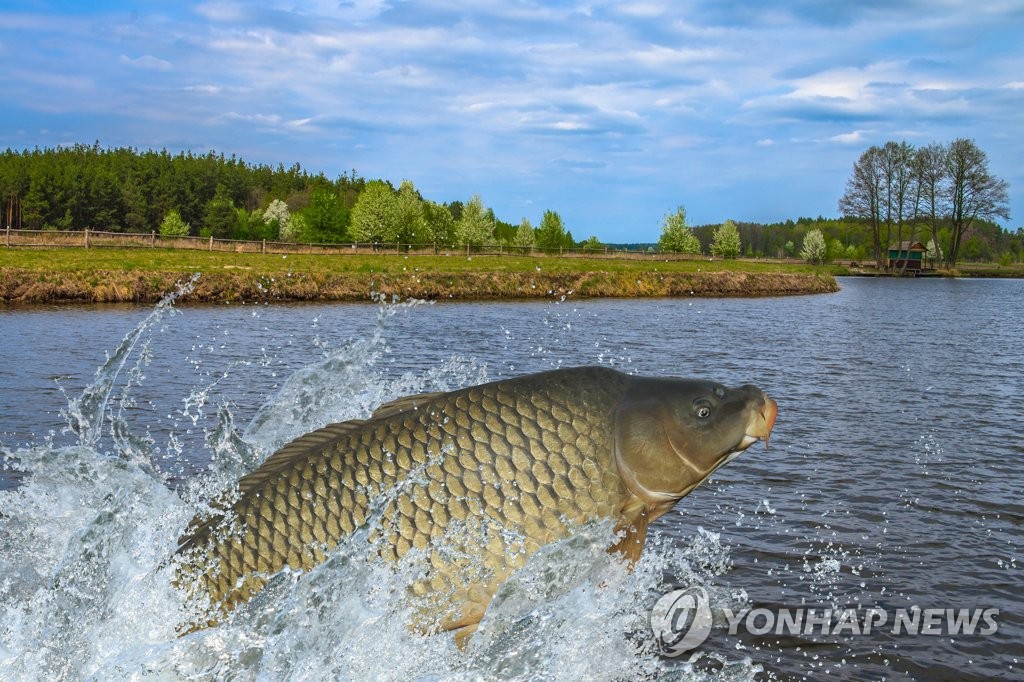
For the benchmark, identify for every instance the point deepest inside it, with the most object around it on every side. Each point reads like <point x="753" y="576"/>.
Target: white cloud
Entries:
<point x="205" y="89"/>
<point x="261" y="119"/>
<point x="147" y="61"/>
<point x="568" y="125"/>
<point x="855" y="137"/>
<point x="222" y="11"/>
<point x="645" y="10"/>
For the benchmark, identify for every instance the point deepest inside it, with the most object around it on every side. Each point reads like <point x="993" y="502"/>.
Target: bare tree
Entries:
<point x="930" y="167"/>
<point x="972" y="192"/>
<point x="863" y="197"/>
<point x="901" y="206"/>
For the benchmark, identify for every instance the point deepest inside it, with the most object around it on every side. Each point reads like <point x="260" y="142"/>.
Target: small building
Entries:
<point x="907" y="256"/>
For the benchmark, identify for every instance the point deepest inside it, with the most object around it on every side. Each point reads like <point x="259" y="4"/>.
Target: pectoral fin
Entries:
<point x="465" y="624"/>
<point x="632" y="530"/>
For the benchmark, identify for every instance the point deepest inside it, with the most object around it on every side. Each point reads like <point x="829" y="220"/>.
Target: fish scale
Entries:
<point x="531" y="461"/>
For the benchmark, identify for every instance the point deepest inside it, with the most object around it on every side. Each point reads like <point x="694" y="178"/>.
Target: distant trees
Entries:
<point x="676" y="237"/>
<point x="475" y="227"/>
<point x="898" y="187"/>
<point x="726" y="243"/>
<point x="813" y="249"/>
<point x="972" y="192"/>
<point x="439" y="223"/>
<point x="375" y="213"/>
<point x="551" y="234"/>
<point x="941" y="193"/>
<point x="219" y="218"/>
<point x="525" y="236"/>
<point x="410" y="227"/>
<point x="173" y="226"/>
<point x="123" y="189"/>
<point x="325" y="219"/>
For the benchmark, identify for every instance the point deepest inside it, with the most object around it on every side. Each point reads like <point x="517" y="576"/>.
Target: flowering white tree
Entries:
<point x="814" y="249"/>
<point x="278" y="210"/>
<point x="278" y="213"/>
<point x="293" y="229"/>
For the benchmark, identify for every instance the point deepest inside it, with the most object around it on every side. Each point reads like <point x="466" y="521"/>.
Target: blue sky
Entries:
<point x="611" y="113"/>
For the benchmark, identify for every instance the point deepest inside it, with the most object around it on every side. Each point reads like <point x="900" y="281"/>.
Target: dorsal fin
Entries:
<point x="273" y="465"/>
<point x="283" y="458"/>
<point x="404" y="404"/>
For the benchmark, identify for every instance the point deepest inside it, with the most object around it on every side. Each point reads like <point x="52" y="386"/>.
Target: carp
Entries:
<point x="478" y="479"/>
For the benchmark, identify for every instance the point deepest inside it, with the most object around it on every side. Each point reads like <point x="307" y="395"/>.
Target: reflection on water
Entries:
<point x="893" y="480"/>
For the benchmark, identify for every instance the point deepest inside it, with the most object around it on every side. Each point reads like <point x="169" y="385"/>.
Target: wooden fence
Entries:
<point x="94" y="239"/>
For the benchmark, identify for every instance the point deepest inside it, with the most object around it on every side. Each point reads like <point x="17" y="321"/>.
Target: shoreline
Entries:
<point x="238" y="285"/>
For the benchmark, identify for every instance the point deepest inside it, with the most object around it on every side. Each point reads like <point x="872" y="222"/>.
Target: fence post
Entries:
<point x="87" y="237"/>
<point x="263" y="248"/>
<point x="8" y="236"/>
<point x="152" y="239"/>
<point x="211" y="242"/>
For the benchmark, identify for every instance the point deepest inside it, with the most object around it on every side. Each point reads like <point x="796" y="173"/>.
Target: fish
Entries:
<point x="476" y="480"/>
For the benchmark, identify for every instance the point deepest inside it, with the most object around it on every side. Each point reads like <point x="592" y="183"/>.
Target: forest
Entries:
<point x="127" y="190"/>
<point x="850" y="239"/>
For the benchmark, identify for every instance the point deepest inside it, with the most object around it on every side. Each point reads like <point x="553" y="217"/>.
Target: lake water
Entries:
<point x="894" y="480"/>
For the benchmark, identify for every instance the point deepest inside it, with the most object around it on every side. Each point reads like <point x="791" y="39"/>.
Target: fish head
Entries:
<point x="672" y="434"/>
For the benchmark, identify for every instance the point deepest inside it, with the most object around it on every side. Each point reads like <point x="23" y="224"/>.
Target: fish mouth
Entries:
<point x="760" y="426"/>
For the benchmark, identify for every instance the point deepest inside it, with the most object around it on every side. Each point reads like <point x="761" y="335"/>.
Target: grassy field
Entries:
<point x="165" y="260"/>
<point x="990" y="270"/>
<point x="143" y="274"/>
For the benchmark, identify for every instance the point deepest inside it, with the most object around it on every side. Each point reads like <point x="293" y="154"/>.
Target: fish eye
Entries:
<point x="702" y="409"/>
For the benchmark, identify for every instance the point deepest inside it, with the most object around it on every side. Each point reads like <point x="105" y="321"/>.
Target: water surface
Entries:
<point x="893" y="480"/>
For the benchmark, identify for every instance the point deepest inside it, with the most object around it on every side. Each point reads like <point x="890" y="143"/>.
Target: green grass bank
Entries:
<point x="143" y="275"/>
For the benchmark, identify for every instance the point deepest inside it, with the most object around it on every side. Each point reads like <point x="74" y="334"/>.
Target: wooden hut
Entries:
<point x="907" y="256"/>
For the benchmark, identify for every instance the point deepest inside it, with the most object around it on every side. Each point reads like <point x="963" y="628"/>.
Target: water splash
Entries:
<point x="85" y="582"/>
<point x="85" y="414"/>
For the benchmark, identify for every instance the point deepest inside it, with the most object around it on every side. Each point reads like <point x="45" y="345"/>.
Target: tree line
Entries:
<point x="127" y="190"/>
<point x="848" y="239"/>
<point x="936" y="193"/>
<point x="941" y="195"/>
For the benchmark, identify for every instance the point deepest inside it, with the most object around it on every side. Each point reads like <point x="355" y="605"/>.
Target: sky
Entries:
<point x="610" y="113"/>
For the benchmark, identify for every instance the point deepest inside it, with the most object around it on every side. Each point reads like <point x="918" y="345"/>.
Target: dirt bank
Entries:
<point x="235" y="285"/>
